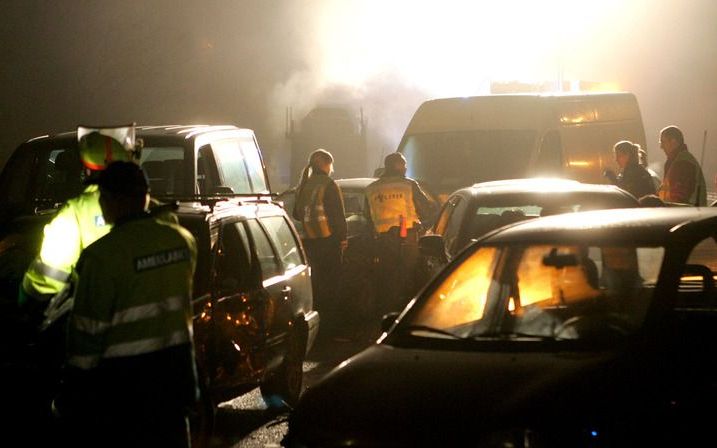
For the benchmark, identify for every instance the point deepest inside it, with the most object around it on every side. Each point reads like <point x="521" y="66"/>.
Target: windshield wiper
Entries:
<point x="509" y="336"/>
<point x="431" y="330"/>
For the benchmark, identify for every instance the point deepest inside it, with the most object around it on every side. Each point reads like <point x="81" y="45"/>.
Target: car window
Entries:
<point x="239" y="165"/>
<point x="443" y="217"/>
<point x="56" y="177"/>
<point x="207" y="176"/>
<point x="461" y="298"/>
<point x="697" y="283"/>
<point x="254" y="166"/>
<point x="354" y="202"/>
<point x="165" y="168"/>
<point x="564" y="292"/>
<point x="270" y="266"/>
<point x="233" y="261"/>
<point x="284" y="241"/>
<point x="453" y="227"/>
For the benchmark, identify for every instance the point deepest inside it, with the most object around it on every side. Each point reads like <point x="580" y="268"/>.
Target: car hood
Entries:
<point x="397" y="396"/>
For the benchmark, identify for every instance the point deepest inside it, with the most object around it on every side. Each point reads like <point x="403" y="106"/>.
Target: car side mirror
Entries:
<point x="388" y="320"/>
<point x="433" y="246"/>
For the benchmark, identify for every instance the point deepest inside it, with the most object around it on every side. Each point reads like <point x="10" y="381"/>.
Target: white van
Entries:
<point x="455" y="142"/>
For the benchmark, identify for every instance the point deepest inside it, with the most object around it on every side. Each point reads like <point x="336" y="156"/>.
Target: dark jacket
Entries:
<point x="636" y="180"/>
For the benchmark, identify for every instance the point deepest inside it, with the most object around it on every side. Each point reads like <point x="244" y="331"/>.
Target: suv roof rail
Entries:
<point x="212" y="199"/>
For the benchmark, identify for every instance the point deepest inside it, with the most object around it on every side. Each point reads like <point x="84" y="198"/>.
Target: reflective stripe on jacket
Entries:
<point x="133" y="295"/>
<point x="311" y="206"/>
<point x="78" y="224"/>
<point x="389" y="198"/>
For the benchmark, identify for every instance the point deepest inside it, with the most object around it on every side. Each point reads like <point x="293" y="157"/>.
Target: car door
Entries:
<point x="276" y="292"/>
<point x="237" y="354"/>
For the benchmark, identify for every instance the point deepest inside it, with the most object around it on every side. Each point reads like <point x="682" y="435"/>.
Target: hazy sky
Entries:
<point x="245" y="62"/>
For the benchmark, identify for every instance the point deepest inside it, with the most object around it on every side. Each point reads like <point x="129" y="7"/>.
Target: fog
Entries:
<point x="245" y="62"/>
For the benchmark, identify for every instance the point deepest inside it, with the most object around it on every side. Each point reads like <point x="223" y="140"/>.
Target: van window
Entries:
<point x="446" y="161"/>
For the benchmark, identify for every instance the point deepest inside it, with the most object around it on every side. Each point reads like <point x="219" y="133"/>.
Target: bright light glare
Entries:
<point x="458" y="47"/>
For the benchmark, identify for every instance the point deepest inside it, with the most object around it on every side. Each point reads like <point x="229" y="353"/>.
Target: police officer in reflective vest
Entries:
<point x="320" y="208"/>
<point x="79" y="222"/>
<point x="130" y="374"/>
<point x="397" y="207"/>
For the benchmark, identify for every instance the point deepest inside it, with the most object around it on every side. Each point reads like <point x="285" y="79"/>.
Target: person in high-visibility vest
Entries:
<point x="396" y="209"/>
<point x="320" y="208"/>
<point x="130" y="376"/>
<point x="683" y="179"/>
<point x="77" y="224"/>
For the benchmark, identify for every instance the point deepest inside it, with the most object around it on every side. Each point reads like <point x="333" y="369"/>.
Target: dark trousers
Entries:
<point x="325" y="261"/>
<point x="395" y="270"/>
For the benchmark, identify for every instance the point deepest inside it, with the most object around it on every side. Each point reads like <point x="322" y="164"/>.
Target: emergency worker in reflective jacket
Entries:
<point x="320" y="208"/>
<point x="130" y="375"/>
<point x="78" y="223"/>
<point x="683" y="179"/>
<point x="397" y="207"/>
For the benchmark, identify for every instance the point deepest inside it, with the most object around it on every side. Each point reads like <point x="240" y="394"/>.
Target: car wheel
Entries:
<point x="201" y="418"/>
<point x="282" y="387"/>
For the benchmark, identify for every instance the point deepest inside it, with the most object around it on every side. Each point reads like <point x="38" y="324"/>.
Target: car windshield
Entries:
<point x="542" y="291"/>
<point x="449" y="160"/>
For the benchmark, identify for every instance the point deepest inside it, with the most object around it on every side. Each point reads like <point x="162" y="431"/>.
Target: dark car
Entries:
<point x="254" y="320"/>
<point x="473" y="211"/>
<point x="588" y="329"/>
<point x="356" y="286"/>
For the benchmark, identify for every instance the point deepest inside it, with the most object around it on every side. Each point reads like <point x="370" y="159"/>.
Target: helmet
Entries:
<point x="98" y="150"/>
<point x="100" y="146"/>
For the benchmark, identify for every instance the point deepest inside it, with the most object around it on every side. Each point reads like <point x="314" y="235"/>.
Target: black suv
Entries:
<point x="254" y="320"/>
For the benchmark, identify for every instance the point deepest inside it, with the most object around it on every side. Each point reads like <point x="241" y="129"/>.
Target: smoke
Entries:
<point x="245" y="62"/>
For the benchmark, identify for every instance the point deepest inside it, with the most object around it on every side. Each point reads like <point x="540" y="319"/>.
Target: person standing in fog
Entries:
<point x="320" y="208"/>
<point x="130" y="377"/>
<point x="396" y="209"/>
<point x="633" y="177"/>
<point x="683" y="179"/>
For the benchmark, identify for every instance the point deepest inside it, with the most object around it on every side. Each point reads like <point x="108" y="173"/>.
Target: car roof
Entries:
<point x="187" y="131"/>
<point x="544" y="190"/>
<point x="644" y="226"/>
<point x="355" y="183"/>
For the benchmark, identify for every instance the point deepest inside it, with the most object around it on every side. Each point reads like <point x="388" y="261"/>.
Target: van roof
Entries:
<point x="521" y="111"/>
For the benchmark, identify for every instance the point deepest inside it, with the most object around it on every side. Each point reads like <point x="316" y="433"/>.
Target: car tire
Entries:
<point x="201" y="418"/>
<point x="282" y="387"/>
